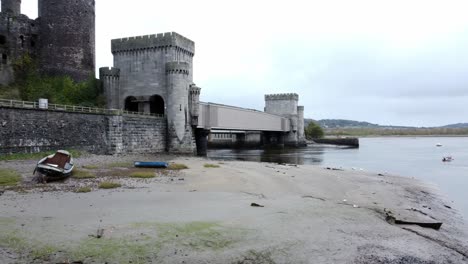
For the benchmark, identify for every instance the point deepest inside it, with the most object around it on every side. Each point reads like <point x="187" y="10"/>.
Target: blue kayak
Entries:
<point x="150" y="164"/>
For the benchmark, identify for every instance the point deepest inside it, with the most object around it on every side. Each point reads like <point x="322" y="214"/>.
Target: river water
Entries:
<point x="417" y="157"/>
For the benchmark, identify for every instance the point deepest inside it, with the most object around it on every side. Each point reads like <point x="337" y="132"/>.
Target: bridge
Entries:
<point x="281" y="124"/>
<point x="226" y="117"/>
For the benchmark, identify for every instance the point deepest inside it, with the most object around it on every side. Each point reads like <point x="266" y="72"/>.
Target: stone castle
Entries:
<point x="151" y="74"/>
<point x="62" y="38"/>
<point x="154" y="74"/>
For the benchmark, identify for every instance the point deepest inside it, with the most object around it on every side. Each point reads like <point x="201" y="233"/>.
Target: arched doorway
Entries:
<point x="131" y="104"/>
<point x="157" y="105"/>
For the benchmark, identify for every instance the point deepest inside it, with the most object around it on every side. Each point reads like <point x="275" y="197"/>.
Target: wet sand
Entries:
<point x="204" y="215"/>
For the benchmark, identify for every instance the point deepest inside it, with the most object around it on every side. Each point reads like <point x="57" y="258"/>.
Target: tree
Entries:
<point x="313" y="130"/>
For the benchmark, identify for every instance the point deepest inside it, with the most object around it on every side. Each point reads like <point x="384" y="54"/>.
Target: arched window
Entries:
<point x="4" y="58"/>
<point x="2" y="40"/>
<point x="131" y="104"/>
<point x="22" y="41"/>
<point x="157" y="105"/>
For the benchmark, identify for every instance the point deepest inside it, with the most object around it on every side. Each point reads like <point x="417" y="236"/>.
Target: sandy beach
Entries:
<point x="203" y="214"/>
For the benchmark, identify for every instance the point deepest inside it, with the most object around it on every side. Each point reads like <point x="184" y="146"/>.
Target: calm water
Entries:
<point x="413" y="157"/>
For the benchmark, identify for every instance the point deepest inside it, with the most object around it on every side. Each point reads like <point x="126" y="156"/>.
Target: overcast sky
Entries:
<point x="387" y="62"/>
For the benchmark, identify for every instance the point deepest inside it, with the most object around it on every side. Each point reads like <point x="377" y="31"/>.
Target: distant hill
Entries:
<point x="458" y="125"/>
<point x="343" y="123"/>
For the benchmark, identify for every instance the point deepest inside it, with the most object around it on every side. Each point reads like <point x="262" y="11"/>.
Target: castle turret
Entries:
<point x="180" y="137"/>
<point x="12" y="7"/>
<point x="300" y="126"/>
<point x="194" y="103"/>
<point x="67" y="38"/>
<point x="110" y="78"/>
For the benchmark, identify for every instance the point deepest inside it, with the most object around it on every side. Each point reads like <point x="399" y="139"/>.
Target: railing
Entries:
<point x="71" y="108"/>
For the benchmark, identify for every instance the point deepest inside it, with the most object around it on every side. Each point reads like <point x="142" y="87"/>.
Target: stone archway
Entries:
<point x="157" y="105"/>
<point x="131" y="104"/>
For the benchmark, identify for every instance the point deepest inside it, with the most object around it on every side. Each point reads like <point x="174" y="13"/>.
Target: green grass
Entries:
<point x="90" y="167"/>
<point x="143" y="174"/>
<point x="83" y="190"/>
<point x="177" y="166"/>
<point x="37" y="155"/>
<point x="13" y="239"/>
<point x="109" y="185"/>
<point x="142" y="245"/>
<point x="208" y="165"/>
<point x="199" y="236"/>
<point x="81" y="174"/>
<point x="9" y="177"/>
<point x="123" y="164"/>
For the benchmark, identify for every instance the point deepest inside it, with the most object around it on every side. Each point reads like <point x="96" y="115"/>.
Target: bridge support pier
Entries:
<point x="273" y="139"/>
<point x="201" y="140"/>
<point x="240" y="140"/>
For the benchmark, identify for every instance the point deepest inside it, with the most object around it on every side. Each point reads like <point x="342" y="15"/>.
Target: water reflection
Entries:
<point x="310" y="155"/>
<point x="412" y="157"/>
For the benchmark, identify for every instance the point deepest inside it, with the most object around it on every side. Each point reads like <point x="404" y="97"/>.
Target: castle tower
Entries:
<point x="300" y="126"/>
<point x="110" y="78"/>
<point x="286" y="105"/>
<point x="11" y="6"/>
<point x="67" y="38"/>
<point x="156" y="77"/>
<point x="178" y="111"/>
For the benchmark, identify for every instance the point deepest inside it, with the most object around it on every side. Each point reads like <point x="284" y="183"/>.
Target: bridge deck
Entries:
<point x="225" y="117"/>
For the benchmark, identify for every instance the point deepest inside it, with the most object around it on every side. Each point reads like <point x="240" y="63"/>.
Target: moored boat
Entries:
<point x="56" y="166"/>
<point x="150" y="164"/>
<point x="448" y="158"/>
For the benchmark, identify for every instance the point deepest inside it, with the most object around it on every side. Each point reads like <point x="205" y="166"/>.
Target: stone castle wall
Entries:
<point x="18" y="36"/>
<point x="34" y="130"/>
<point x="67" y="38"/>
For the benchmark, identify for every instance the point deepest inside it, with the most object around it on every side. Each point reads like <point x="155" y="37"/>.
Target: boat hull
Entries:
<point x="55" y="167"/>
<point x="150" y="164"/>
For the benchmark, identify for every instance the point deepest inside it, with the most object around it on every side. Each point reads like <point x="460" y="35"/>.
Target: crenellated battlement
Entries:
<point x="194" y="90"/>
<point x="109" y="72"/>
<point x="300" y="108"/>
<point x="168" y="39"/>
<point x="177" y="67"/>
<point x="283" y="96"/>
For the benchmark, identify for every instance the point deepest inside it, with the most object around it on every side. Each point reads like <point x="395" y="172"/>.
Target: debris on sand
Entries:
<point x="99" y="233"/>
<point x="391" y="219"/>
<point x="335" y="169"/>
<point x="256" y="205"/>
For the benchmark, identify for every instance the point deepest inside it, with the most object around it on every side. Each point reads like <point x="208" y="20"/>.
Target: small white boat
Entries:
<point x="446" y="159"/>
<point x="439" y="145"/>
<point x="55" y="166"/>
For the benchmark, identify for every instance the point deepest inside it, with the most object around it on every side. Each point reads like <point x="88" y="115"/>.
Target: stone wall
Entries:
<point x="33" y="130"/>
<point x="23" y="130"/>
<point x="144" y="135"/>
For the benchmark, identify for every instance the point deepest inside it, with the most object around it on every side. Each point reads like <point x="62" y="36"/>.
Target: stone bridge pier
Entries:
<point x="201" y="141"/>
<point x="272" y="139"/>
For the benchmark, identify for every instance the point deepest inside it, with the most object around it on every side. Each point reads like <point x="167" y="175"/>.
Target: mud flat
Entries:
<point x="203" y="214"/>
